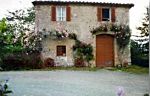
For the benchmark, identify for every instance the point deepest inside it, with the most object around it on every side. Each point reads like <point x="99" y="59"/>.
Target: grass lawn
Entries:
<point x="70" y="68"/>
<point x="132" y="69"/>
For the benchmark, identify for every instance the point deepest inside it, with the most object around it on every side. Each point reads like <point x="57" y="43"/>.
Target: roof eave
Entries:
<point x="86" y="3"/>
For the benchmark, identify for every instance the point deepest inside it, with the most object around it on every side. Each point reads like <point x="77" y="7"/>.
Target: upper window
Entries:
<point x="60" y="13"/>
<point x="105" y="14"/>
<point x="61" y="50"/>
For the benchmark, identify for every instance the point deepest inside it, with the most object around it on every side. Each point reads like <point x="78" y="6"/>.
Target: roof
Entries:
<point x="85" y="2"/>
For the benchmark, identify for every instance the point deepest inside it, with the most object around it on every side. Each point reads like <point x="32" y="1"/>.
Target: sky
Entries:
<point x="136" y="12"/>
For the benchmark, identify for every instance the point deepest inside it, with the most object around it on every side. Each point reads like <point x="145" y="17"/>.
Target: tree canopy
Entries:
<point x="140" y="47"/>
<point x="17" y="32"/>
<point x="145" y="23"/>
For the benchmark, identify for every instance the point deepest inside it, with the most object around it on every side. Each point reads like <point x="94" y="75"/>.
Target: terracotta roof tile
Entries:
<point x="94" y="2"/>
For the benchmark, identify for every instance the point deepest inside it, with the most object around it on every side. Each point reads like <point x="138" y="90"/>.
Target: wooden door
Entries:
<point x="104" y="51"/>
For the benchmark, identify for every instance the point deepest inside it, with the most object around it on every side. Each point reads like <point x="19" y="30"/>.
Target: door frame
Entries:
<point x="114" y="48"/>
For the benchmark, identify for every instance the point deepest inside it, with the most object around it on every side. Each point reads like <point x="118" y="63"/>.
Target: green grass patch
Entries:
<point x="68" y="68"/>
<point x="132" y="69"/>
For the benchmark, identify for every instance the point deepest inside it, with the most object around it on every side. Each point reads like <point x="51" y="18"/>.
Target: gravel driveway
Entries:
<point x="75" y="83"/>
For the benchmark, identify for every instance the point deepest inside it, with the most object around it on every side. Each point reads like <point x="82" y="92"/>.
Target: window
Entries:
<point x="105" y="14"/>
<point x="60" y="13"/>
<point x="61" y="50"/>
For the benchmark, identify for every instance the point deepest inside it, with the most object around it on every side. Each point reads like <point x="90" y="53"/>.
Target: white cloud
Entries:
<point x="11" y="5"/>
<point x="137" y="14"/>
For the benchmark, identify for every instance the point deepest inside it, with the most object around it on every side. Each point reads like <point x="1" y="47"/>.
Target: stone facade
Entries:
<point x="49" y="50"/>
<point x="83" y="19"/>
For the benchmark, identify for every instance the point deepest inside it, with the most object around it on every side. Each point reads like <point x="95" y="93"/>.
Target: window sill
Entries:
<point x="61" y="56"/>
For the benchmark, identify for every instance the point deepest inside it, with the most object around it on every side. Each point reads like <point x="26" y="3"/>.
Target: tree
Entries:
<point x="23" y="24"/>
<point x="14" y="29"/>
<point x="145" y="23"/>
<point x="140" y="47"/>
<point x="17" y="37"/>
<point x="7" y="36"/>
<point x="144" y="33"/>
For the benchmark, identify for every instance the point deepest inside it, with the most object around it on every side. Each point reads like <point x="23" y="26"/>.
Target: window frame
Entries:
<point x="109" y="19"/>
<point x="61" y="13"/>
<point x="60" y="50"/>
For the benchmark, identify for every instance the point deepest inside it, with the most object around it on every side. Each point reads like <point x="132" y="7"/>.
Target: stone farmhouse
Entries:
<point x="56" y="20"/>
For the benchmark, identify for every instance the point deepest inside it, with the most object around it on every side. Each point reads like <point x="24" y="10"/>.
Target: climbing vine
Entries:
<point x="83" y="52"/>
<point x="121" y="32"/>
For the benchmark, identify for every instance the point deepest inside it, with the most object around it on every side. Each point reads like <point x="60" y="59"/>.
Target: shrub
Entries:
<point x="21" y="60"/>
<point x="79" y="62"/>
<point x="140" y="62"/>
<point x="82" y="52"/>
<point x="139" y="54"/>
<point x="146" y="94"/>
<point x="49" y="62"/>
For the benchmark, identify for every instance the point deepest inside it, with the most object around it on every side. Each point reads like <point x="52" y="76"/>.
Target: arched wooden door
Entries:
<point x="104" y="50"/>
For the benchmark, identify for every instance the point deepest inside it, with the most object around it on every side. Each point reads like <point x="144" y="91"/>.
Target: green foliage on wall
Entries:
<point x="83" y="51"/>
<point x="121" y="32"/>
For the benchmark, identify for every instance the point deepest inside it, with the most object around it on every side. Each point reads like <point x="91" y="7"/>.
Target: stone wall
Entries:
<point x="49" y="51"/>
<point x="83" y="19"/>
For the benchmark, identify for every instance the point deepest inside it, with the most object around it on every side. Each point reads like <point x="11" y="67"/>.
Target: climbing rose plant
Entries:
<point x="60" y="32"/>
<point x="82" y="52"/>
<point x="121" y="32"/>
